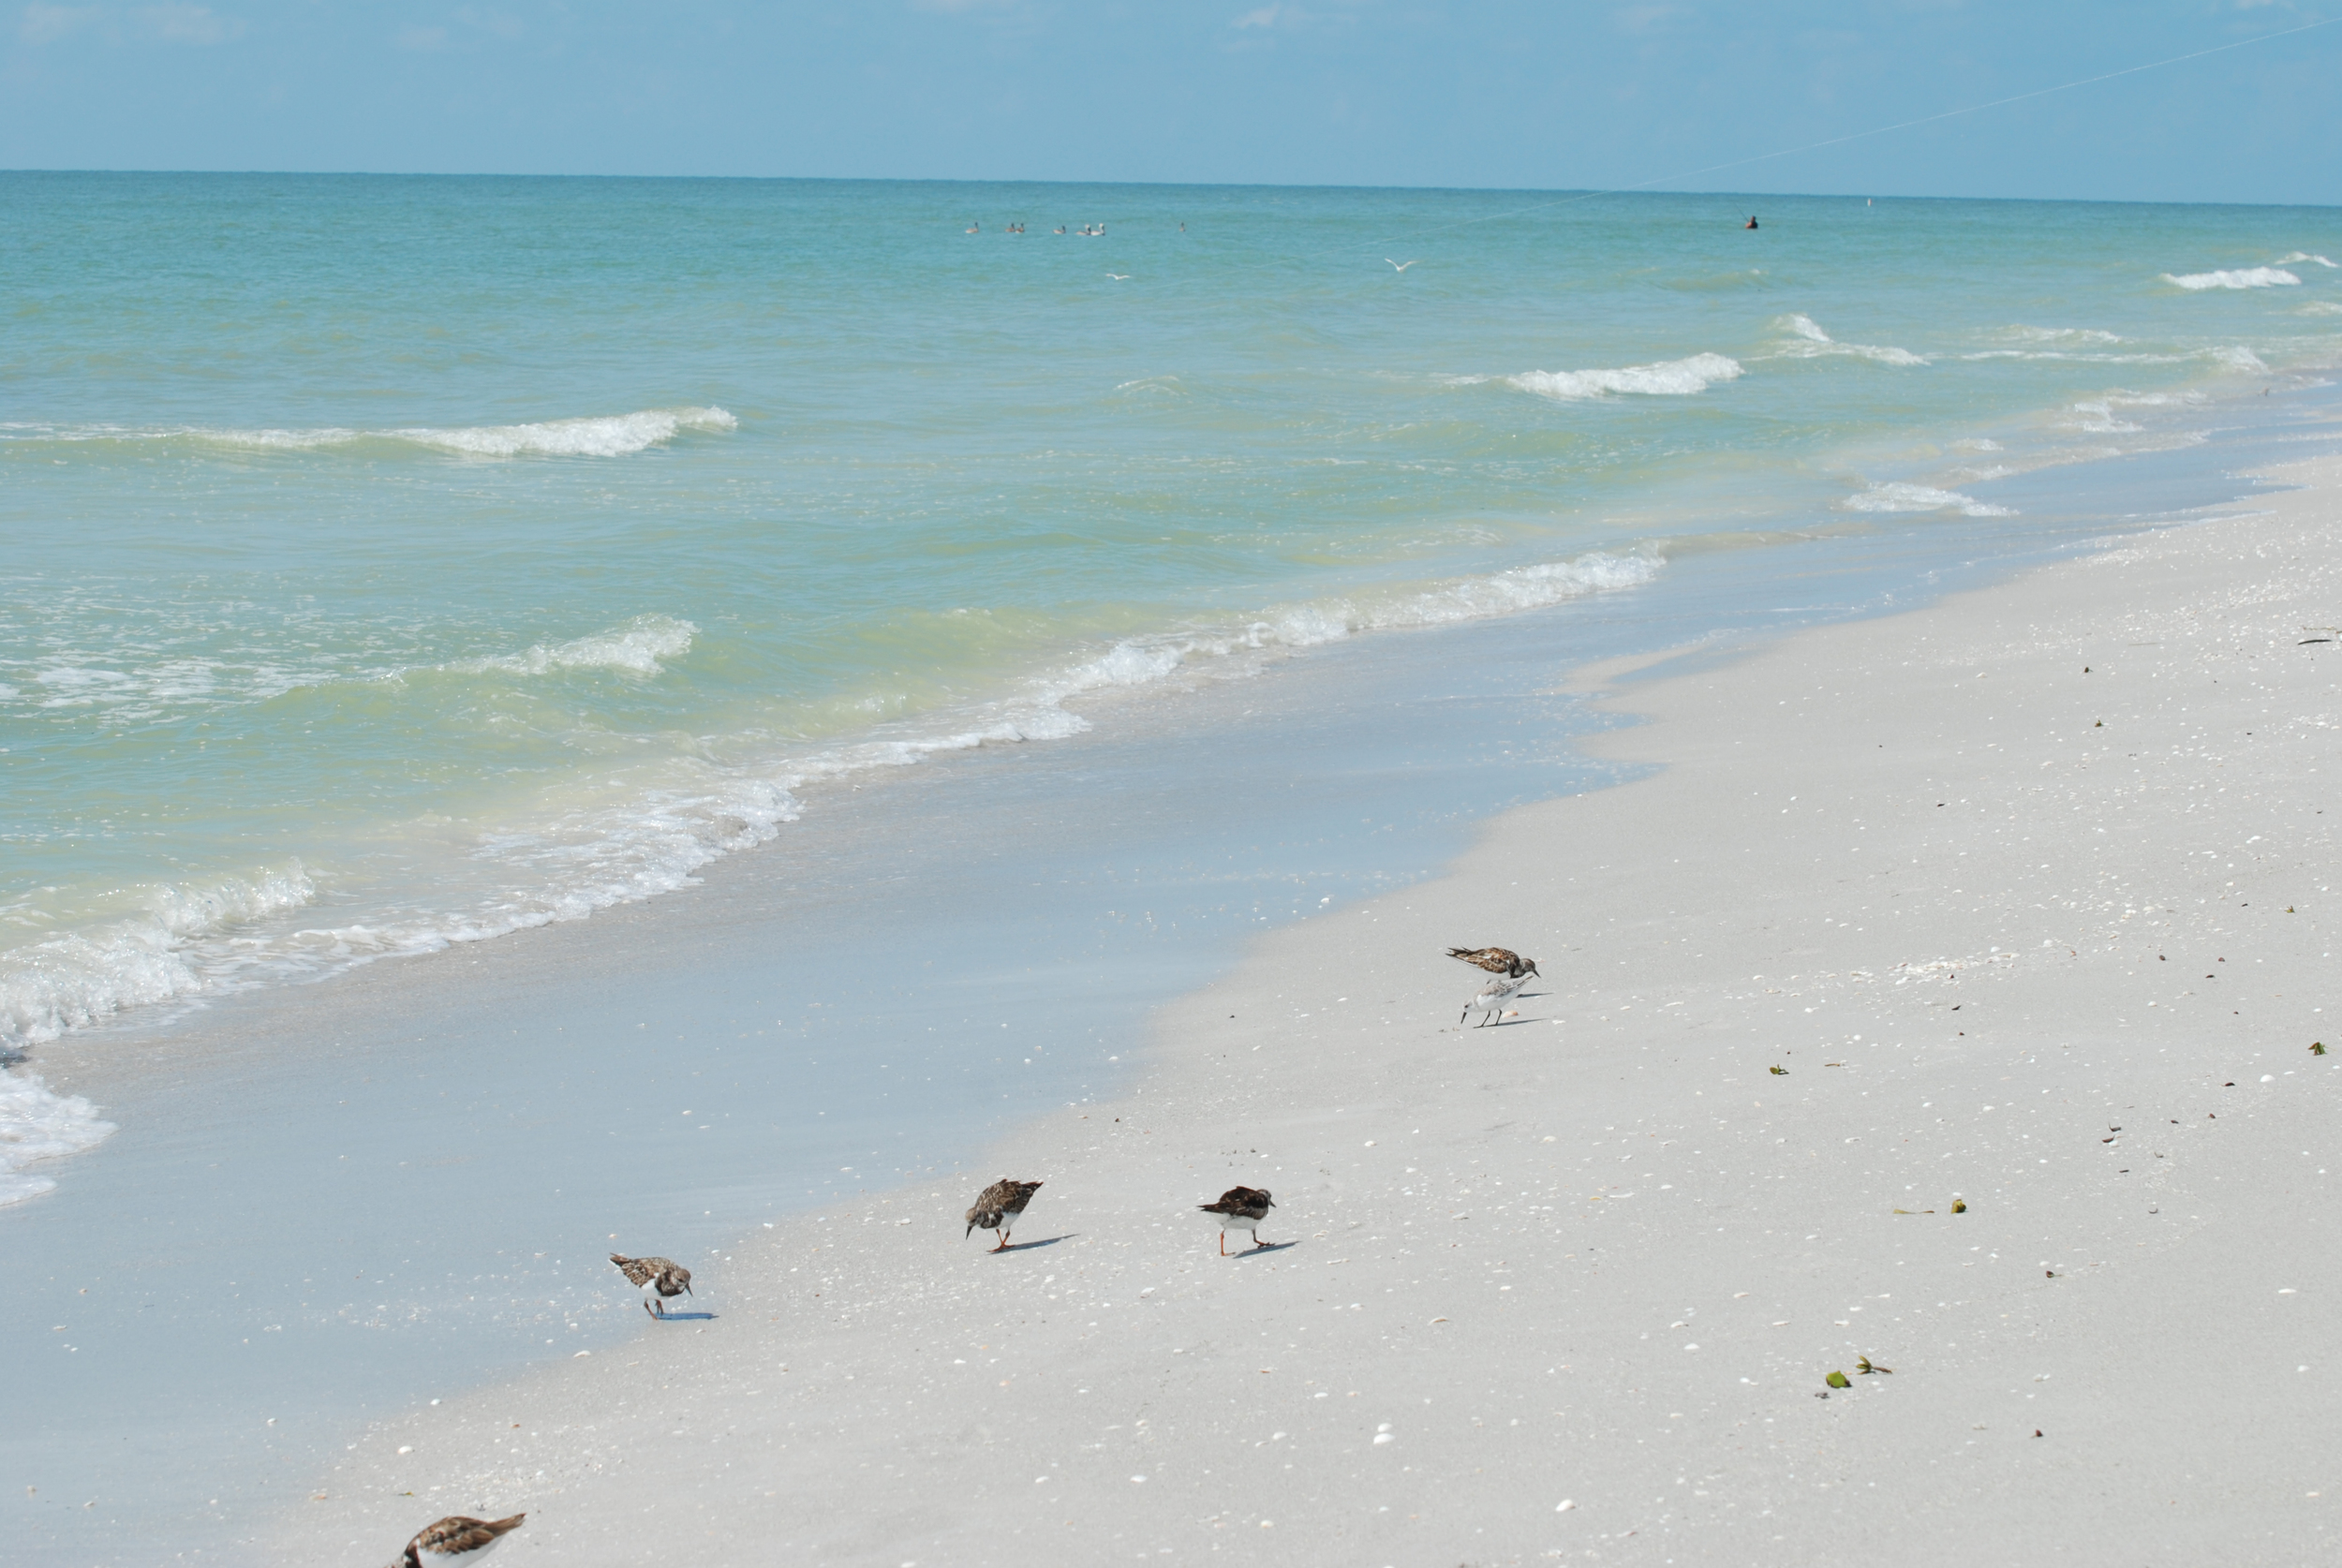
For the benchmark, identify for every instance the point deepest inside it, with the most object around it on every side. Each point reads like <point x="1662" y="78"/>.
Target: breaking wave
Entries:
<point x="594" y="435"/>
<point x="1807" y="341"/>
<point x="1898" y="496"/>
<point x="577" y="858"/>
<point x="638" y="645"/>
<point x="2246" y="277"/>
<point x="1664" y="378"/>
<point x="164" y="951"/>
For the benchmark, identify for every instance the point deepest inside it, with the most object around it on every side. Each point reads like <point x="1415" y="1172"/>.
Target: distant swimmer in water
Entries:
<point x="1751" y="223"/>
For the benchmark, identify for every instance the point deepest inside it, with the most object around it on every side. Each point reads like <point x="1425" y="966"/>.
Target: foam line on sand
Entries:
<point x="2030" y="896"/>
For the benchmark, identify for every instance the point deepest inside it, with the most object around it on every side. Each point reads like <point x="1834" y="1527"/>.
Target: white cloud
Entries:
<point x="1265" y="17"/>
<point x="42" y="24"/>
<point x="494" y="23"/>
<point x="1643" y="18"/>
<point x="176" y="23"/>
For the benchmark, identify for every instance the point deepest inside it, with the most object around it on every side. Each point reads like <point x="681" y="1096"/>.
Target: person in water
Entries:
<point x="1751" y="223"/>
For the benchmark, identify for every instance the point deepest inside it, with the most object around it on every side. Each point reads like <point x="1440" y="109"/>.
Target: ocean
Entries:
<point x="991" y="627"/>
<point x="398" y="562"/>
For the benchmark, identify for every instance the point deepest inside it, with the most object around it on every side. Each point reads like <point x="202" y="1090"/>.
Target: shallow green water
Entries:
<point x="393" y="561"/>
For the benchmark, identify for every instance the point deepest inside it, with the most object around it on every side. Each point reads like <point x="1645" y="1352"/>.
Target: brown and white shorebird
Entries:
<point x="660" y="1279"/>
<point x="1239" y="1208"/>
<point x="1496" y="960"/>
<point x="997" y="1208"/>
<point x="456" y="1540"/>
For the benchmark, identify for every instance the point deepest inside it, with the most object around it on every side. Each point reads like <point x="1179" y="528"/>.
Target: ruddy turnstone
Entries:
<point x="1239" y="1208"/>
<point x="665" y="1277"/>
<point x="456" y="1539"/>
<point x="1492" y="997"/>
<point x="997" y="1208"/>
<point x="1496" y="960"/>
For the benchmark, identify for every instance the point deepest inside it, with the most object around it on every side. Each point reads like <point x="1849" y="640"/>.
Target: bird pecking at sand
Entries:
<point x="456" y="1540"/>
<point x="997" y="1205"/>
<point x="660" y="1279"/>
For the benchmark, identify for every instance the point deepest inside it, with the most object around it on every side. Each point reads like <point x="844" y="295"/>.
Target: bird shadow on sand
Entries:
<point x="686" y="1317"/>
<point x="1029" y="1246"/>
<point x="1263" y="1248"/>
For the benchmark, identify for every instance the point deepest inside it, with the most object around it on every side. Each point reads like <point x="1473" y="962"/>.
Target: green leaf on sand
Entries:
<point x="1838" y="1379"/>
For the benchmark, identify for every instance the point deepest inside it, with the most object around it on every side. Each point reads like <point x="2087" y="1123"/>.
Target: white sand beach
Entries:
<point x="2023" y="900"/>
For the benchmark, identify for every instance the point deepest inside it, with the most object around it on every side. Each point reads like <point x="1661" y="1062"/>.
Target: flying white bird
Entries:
<point x="1402" y="266"/>
<point x="1120" y="277"/>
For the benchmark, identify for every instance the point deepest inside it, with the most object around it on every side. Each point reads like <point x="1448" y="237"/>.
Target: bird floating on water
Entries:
<point x="997" y="1208"/>
<point x="1239" y="1208"/>
<point x="458" y="1539"/>
<point x="664" y="1276"/>
<point x="1496" y="960"/>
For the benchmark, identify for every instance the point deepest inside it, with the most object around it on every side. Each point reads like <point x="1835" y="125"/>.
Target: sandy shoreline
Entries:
<point x="2053" y="942"/>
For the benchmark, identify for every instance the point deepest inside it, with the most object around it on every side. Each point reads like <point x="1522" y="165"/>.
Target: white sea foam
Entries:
<point x="1898" y="496"/>
<point x="2056" y="334"/>
<point x="633" y="842"/>
<point x="81" y="977"/>
<point x="580" y="858"/>
<point x="2099" y="419"/>
<point x="2228" y="356"/>
<point x="594" y="435"/>
<point x="638" y="645"/>
<point x="1313" y="623"/>
<point x="615" y="435"/>
<point x="36" y="1124"/>
<point x="1666" y="378"/>
<point x="1807" y="341"/>
<point x="2245" y="277"/>
<point x="2300" y="256"/>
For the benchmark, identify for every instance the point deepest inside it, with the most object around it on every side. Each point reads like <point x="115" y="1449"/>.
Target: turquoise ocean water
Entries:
<point x="386" y="563"/>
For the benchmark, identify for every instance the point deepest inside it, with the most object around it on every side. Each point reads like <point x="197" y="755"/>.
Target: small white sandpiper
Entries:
<point x="1492" y="997"/>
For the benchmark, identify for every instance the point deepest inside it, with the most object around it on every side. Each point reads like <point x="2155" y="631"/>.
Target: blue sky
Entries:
<point x="1504" y="94"/>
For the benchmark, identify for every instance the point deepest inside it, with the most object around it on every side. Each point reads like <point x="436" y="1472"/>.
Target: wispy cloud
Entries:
<point x="170" y="23"/>
<point x="186" y="25"/>
<point x="468" y="31"/>
<point x="44" y="24"/>
<point x="1265" y="17"/>
<point x="1643" y="18"/>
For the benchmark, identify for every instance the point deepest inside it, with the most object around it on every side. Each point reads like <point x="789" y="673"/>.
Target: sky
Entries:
<point x="1502" y="94"/>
